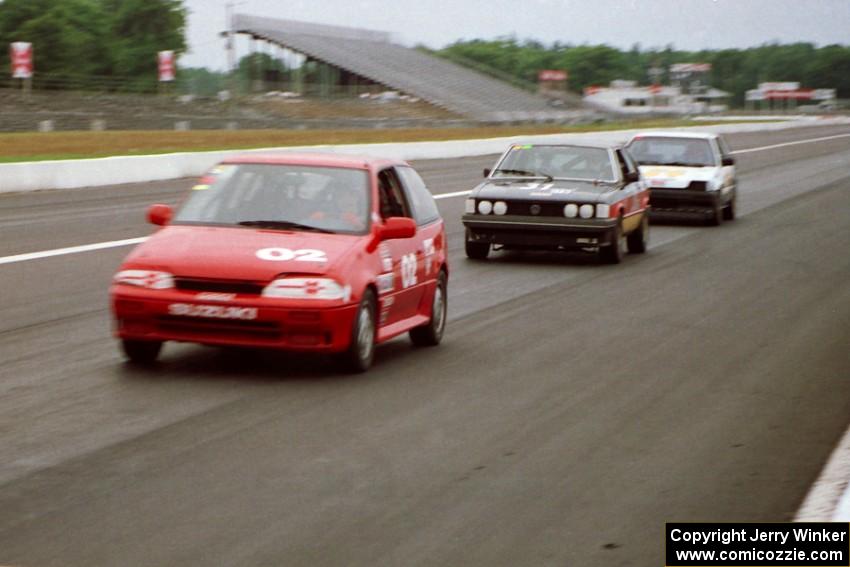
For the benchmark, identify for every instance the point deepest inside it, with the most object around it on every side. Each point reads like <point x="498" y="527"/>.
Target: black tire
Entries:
<point x="432" y="333"/>
<point x="638" y="240"/>
<point x="141" y="352"/>
<point x="613" y="253"/>
<point x="729" y="209"/>
<point x="477" y="250"/>
<point x="358" y="358"/>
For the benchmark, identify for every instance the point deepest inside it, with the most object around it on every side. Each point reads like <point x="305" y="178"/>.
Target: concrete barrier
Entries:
<point x="70" y="174"/>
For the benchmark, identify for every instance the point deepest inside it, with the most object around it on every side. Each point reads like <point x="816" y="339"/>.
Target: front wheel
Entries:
<point x="716" y="218"/>
<point x="141" y="352"/>
<point x="729" y="210"/>
<point x="431" y="333"/>
<point x="361" y="350"/>
<point x="638" y="240"/>
<point x="477" y="250"/>
<point x="613" y="253"/>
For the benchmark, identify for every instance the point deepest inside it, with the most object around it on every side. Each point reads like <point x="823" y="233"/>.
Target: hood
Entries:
<point x="239" y="253"/>
<point x="676" y="176"/>
<point x="541" y="190"/>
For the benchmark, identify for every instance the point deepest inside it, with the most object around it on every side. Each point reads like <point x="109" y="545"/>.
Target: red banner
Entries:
<point x="799" y="94"/>
<point x="166" y="66"/>
<point x="21" y="55"/>
<point x="551" y="75"/>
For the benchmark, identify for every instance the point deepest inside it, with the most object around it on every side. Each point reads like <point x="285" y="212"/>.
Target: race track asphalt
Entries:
<point x="572" y="409"/>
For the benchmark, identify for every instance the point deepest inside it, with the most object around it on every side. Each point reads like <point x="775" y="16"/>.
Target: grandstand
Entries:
<point x="371" y="55"/>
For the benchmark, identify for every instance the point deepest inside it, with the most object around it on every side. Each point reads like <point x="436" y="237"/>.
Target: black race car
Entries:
<point x="560" y="197"/>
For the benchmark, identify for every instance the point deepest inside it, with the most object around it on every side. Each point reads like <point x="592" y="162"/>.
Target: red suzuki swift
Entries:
<point x="299" y="252"/>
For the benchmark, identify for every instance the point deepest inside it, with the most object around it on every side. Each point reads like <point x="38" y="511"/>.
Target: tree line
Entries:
<point x="109" y="38"/>
<point x="120" y="38"/>
<point x="733" y="70"/>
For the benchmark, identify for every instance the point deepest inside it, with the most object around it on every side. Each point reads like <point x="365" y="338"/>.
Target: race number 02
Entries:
<point x="408" y="270"/>
<point x="285" y="255"/>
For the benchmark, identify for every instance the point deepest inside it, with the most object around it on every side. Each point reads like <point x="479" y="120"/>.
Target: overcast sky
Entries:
<point x="687" y="24"/>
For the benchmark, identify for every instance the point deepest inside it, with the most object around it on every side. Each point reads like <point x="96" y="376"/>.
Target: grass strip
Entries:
<point x="34" y="146"/>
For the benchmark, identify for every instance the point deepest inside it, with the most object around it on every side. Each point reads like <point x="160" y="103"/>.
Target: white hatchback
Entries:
<point x="688" y="173"/>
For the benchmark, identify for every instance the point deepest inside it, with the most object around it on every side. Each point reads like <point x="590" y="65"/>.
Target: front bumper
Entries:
<point x="540" y="232"/>
<point x="683" y="201"/>
<point x="141" y="314"/>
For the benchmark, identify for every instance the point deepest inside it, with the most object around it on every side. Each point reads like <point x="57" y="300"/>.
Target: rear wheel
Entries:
<point x="141" y="352"/>
<point x="638" y="240"/>
<point x="431" y="333"/>
<point x="613" y="253"/>
<point x="477" y="250"/>
<point x="361" y="351"/>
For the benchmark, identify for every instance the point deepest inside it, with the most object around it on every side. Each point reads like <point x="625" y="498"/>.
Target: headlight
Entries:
<point x="586" y="211"/>
<point x="149" y="279"/>
<point x="713" y="184"/>
<point x="602" y="211"/>
<point x="470" y="206"/>
<point x="307" y="288"/>
<point x="500" y="207"/>
<point x="571" y="211"/>
<point x="485" y="207"/>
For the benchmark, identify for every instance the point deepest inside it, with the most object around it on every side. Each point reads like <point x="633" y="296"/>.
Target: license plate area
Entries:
<point x="227" y="312"/>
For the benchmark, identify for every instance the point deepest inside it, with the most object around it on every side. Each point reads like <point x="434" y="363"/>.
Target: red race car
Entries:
<point x="298" y="252"/>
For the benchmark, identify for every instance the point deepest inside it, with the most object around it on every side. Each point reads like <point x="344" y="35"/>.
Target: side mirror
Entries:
<point x="728" y="160"/>
<point x="632" y="177"/>
<point x="486" y="172"/>
<point x="159" y="214"/>
<point x="397" y="227"/>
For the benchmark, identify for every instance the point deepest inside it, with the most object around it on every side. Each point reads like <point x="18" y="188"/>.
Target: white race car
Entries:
<point x="688" y="173"/>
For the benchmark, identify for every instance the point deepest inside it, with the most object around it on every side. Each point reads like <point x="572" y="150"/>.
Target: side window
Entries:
<point x="421" y="201"/>
<point x="625" y="166"/>
<point x="631" y="164"/>
<point x="393" y="203"/>
<point x="724" y="148"/>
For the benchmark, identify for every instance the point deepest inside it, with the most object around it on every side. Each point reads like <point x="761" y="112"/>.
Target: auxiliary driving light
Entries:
<point x="485" y="207"/>
<point x="602" y="211"/>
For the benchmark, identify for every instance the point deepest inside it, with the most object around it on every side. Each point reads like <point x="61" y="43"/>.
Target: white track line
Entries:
<point x="130" y="241"/>
<point x="783" y="145"/>
<point x="70" y="250"/>
<point x="828" y="499"/>
<point x="455" y="194"/>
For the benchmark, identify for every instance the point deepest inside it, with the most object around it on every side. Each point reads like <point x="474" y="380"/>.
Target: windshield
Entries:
<point x="288" y="197"/>
<point x="557" y="162"/>
<point x="689" y="152"/>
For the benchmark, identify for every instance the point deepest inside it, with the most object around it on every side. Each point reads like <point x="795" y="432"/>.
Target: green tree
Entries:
<point x="138" y="29"/>
<point x="262" y="68"/>
<point x="68" y="37"/>
<point x="201" y="82"/>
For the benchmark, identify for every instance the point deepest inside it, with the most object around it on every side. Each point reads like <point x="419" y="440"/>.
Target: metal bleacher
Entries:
<point x="373" y="55"/>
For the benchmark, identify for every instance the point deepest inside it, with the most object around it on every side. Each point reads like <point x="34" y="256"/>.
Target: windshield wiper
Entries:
<point x="283" y="224"/>
<point x="516" y="172"/>
<point x="682" y="164"/>
<point x="524" y="173"/>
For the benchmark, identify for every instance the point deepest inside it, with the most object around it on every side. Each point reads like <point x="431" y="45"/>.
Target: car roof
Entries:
<point x="580" y="144"/>
<point x="697" y="135"/>
<point x="318" y="159"/>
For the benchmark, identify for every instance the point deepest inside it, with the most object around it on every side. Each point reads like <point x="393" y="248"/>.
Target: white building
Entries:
<point x="626" y="97"/>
